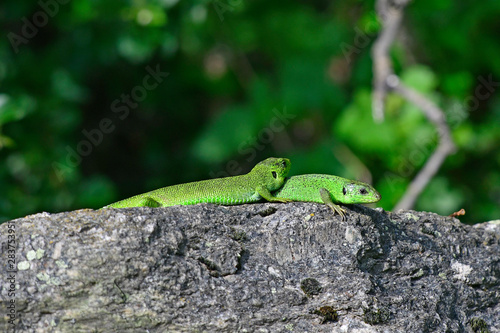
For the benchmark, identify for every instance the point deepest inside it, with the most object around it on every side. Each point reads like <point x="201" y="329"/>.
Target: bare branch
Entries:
<point x="384" y="80"/>
<point x="418" y="184"/>
<point x="445" y="147"/>
<point x="382" y="67"/>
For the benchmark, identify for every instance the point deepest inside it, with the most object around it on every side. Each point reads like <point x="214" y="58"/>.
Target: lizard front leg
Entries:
<point x="327" y="199"/>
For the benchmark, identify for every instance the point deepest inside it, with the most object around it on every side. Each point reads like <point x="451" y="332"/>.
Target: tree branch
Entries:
<point x="382" y="67"/>
<point x="384" y="80"/>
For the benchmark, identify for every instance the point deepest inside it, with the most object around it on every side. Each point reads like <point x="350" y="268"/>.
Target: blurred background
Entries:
<point x="101" y="100"/>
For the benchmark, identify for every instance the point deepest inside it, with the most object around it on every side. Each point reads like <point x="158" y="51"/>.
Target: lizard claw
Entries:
<point x="339" y="210"/>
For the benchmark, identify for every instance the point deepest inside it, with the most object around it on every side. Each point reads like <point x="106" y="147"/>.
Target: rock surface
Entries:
<point x="250" y="268"/>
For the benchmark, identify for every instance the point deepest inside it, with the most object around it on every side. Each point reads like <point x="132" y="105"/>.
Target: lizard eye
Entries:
<point x="344" y="191"/>
<point x="363" y="191"/>
<point x="274" y="174"/>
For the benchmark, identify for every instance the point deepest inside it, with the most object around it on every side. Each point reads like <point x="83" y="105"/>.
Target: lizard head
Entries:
<point x="359" y="192"/>
<point x="272" y="171"/>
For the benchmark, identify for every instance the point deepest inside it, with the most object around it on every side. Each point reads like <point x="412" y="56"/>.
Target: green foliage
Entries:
<point x="441" y="198"/>
<point x="247" y="80"/>
<point x="224" y="135"/>
<point x="356" y="117"/>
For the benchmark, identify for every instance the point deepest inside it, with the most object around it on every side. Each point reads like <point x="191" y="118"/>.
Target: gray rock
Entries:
<point x="250" y="268"/>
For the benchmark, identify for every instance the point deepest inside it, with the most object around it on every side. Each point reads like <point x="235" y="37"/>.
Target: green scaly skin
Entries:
<point x="265" y="177"/>
<point x="327" y="189"/>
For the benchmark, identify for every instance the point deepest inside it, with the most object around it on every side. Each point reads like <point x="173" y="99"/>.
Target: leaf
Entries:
<point x="12" y="109"/>
<point x="356" y="127"/>
<point x="420" y="78"/>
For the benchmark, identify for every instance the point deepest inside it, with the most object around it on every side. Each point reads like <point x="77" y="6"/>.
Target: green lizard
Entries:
<point x="327" y="189"/>
<point x="265" y="177"/>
